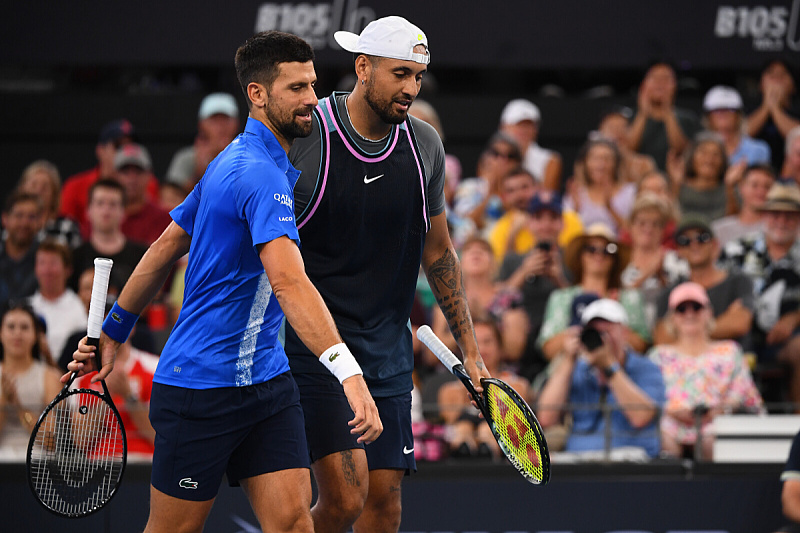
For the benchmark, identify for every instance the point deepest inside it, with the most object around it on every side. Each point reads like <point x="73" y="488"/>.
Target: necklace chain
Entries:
<point x="347" y="110"/>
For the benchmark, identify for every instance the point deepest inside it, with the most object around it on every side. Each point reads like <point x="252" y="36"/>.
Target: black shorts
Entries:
<point x="202" y="434"/>
<point x="327" y="413"/>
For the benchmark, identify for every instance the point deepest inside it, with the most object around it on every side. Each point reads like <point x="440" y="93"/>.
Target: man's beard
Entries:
<point x="385" y="110"/>
<point x="285" y="122"/>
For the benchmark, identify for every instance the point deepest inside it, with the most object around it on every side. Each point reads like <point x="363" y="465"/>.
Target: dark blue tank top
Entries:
<point x="362" y="234"/>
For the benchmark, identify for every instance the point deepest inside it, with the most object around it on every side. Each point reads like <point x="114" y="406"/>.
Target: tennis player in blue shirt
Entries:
<point x="223" y="400"/>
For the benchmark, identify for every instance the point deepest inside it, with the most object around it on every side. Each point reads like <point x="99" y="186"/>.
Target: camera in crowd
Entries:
<point x="591" y="338"/>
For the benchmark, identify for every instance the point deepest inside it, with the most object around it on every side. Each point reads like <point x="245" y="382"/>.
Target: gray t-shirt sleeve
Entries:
<point x="306" y="156"/>
<point x="430" y="145"/>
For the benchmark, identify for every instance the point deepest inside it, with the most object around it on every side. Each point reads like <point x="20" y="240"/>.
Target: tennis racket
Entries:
<point x="512" y="422"/>
<point x="78" y="449"/>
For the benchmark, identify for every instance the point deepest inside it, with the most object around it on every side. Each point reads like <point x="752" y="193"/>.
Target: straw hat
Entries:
<point x="572" y="254"/>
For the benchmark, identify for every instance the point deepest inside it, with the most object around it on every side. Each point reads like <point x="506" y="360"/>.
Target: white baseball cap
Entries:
<point x="722" y="97"/>
<point x="605" y="309"/>
<point x="392" y="37"/>
<point x="218" y="103"/>
<point x="518" y="110"/>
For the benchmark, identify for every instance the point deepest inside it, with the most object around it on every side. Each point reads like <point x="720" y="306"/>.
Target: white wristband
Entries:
<point x="340" y="362"/>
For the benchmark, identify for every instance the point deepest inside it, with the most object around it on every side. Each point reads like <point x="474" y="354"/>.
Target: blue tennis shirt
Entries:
<point x="226" y="334"/>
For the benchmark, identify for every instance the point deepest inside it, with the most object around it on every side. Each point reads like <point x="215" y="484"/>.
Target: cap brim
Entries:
<point x="782" y="206"/>
<point x="347" y="40"/>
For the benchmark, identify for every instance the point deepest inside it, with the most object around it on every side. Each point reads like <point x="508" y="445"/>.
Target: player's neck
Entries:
<point x="364" y="120"/>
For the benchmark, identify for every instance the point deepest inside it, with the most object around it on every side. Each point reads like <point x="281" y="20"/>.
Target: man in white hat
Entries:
<point x="369" y="207"/>
<point x="521" y="119"/>
<point x="724" y="114"/>
<point x="606" y="374"/>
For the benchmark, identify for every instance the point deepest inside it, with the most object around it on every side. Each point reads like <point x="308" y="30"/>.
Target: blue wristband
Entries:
<point x="119" y="323"/>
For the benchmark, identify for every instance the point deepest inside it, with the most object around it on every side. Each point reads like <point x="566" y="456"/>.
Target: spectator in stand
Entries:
<point x="27" y="383"/>
<point x="703" y="377"/>
<point x="512" y="232"/>
<point x="730" y="291"/>
<point x="700" y="179"/>
<point x="171" y="196"/>
<point x="790" y="494"/>
<point x="658" y="126"/>
<point x="478" y="198"/>
<point x="610" y="375"/>
<point x="521" y="119"/>
<point x="596" y="192"/>
<point x="596" y="260"/>
<point x="652" y="265"/>
<point x="516" y="190"/>
<point x="791" y="163"/>
<point x="725" y="116"/>
<point x="656" y="183"/>
<point x="778" y="113"/>
<point x="105" y="214"/>
<point x="469" y="434"/>
<point x="752" y="191"/>
<point x="144" y="219"/>
<point x="535" y="275"/>
<point x="130" y="386"/>
<point x="22" y="218"/>
<point x="771" y="259"/>
<point x="217" y="126"/>
<point x="41" y="178"/>
<point x="613" y="126"/>
<point x="75" y="193"/>
<point x="62" y="310"/>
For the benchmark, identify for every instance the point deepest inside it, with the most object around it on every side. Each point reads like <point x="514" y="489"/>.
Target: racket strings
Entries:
<point x="518" y="438"/>
<point x="77" y="455"/>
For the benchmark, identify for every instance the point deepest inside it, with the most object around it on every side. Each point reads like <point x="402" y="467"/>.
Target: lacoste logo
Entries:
<point x="116" y="318"/>
<point x="406" y="451"/>
<point x="187" y="483"/>
<point x="370" y="180"/>
<point x="333" y="356"/>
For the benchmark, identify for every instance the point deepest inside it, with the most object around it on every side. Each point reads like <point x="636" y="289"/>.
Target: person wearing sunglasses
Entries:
<point x="771" y="259"/>
<point x="703" y="377"/>
<point x="596" y="259"/>
<point x="730" y="291"/>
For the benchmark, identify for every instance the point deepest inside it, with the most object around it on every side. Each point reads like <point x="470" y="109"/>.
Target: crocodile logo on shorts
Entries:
<point x="333" y="356"/>
<point x="187" y="483"/>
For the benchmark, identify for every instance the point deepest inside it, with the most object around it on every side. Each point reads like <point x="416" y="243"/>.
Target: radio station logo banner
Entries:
<point x="772" y="28"/>
<point x="315" y="23"/>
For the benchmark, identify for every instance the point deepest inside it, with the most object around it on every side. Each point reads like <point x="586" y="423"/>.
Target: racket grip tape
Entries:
<point x="97" y="305"/>
<point x="426" y="335"/>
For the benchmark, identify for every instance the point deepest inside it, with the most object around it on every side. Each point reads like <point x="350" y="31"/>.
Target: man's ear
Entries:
<point x="363" y="67"/>
<point x="257" y="94"/>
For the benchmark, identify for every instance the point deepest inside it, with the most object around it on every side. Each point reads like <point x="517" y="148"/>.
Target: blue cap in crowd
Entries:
<point x="545" y="200"/>
<point x="116" y="130"/>
<point x="579" y="303"/>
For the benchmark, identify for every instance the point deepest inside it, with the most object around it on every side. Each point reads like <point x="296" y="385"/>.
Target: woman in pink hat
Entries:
<point x="701" y="376"/>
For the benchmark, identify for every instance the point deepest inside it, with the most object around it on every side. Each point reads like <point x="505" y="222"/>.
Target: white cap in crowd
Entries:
<point x="605" y="309"/>
<point x="218" y="104"/>
<point x="518" y="110"/>
<point x="722" y="97"/>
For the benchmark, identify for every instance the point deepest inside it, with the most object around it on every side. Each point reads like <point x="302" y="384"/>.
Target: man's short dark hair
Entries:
<point x="258" y="58"/>
<point x="18" y="197"/>
<point x="106" y="183"/>
<point x="54" y="247"/>
<point x="766" y="168"/>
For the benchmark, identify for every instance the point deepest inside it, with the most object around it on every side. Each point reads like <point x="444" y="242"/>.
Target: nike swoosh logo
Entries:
<point x="406" y="450"/>
<point x="370" y="180"/>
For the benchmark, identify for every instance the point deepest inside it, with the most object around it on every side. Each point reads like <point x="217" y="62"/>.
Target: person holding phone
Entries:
<point x="611" y="384"/>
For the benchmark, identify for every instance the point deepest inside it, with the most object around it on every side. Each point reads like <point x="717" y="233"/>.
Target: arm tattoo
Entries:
<point x="444" y="277"/>
<point x="349" y="469"/>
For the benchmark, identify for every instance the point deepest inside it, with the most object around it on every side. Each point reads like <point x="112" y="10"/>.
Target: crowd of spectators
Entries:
<point x="673" y="238"/>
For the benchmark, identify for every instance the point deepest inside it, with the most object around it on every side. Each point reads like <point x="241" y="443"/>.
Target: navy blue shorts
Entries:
<point x="327" y="413"/>
<point x="202" y="434"/>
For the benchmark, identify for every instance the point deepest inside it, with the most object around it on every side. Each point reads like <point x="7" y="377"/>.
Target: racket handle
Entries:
<point x="97" y="305"/>
<point x="442" y="352"/>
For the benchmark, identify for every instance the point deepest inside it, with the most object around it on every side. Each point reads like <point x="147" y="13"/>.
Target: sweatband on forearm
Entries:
<point x="340" y="362"/>
<point x="119" y="323"/>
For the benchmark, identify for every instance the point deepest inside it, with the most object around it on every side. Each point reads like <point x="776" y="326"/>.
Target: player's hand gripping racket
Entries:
<point x="78" y="448"/>
<point x="512" y="422"/>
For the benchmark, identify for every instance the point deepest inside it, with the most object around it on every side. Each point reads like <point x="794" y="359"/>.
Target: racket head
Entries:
<point x="516" y="430"/>
<point x="77" y="453"/>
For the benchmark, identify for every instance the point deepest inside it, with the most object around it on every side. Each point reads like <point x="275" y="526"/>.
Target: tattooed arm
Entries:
<point x="444" y="276"/>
